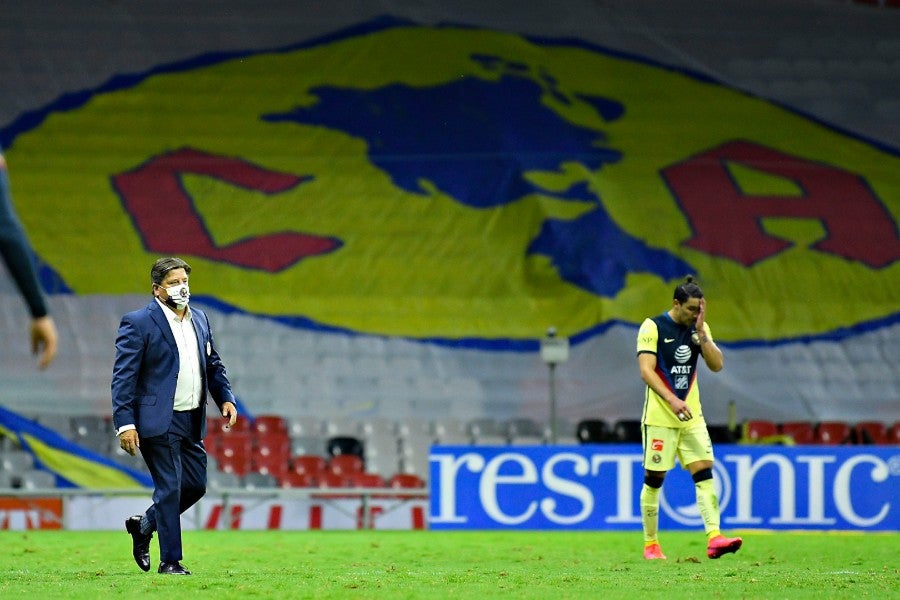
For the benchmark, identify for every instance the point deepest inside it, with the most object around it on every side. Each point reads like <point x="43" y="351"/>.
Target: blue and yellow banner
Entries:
<point x="459" y="184"/>
<point x="73" y="465"/>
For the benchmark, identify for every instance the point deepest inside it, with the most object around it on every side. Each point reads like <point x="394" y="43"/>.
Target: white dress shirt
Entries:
<point x="189" y="385"/>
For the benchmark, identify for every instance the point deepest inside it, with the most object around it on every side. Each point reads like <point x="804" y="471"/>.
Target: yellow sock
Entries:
<point x="709" y="506"/>
<point x="650" y="513"/>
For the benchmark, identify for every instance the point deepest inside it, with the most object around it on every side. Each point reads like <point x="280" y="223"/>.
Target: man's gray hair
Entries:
<point x="162" y="266"/>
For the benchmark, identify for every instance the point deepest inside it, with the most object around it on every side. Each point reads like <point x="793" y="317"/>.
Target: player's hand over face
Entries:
<point x="701" y="316"/>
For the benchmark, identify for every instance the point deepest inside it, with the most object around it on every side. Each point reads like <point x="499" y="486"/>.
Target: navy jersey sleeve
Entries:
<point x="16" y="250"/>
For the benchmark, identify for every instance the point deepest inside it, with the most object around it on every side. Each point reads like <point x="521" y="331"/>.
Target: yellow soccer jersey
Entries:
<point x="676" y="364"/>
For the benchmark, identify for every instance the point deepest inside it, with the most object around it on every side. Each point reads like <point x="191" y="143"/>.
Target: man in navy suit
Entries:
<point x="165" y="365"/>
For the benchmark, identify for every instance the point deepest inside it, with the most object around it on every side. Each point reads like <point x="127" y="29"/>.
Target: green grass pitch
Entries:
<point x="433" y="564"/>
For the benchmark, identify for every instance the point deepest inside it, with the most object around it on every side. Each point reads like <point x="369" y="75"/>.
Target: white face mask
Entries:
<point x="179" y="294"/>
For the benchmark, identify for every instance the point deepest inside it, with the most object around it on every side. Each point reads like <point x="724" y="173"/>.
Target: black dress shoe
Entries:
<point x="173" y="568"/>
<point x="140" y="543"/>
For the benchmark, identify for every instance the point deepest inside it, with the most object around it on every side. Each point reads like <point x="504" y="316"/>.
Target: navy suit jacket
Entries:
<point x="146" y="369"/>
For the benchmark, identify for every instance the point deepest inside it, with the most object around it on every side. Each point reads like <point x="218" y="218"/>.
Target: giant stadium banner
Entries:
<point x="459" y="189"/>
<point x="455" y="183"/>
<point x="598" y="487"/>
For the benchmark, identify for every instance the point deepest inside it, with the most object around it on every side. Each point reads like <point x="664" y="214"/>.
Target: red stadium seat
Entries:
<point x="893" y="434"/>
<point x="327" y="479"/>
<point x="269" y="423"/>
<point x="239" y="465"/>
<point x="292" y="479"/>
<point x="228" y="446"/>
<point x="368" y="480"/>
<point x="218" y="425"/>
<point x="310" y="464"/>
<point x="870" y="432"/>
<point x="269" y="444"/>
<point x="271" y="464"/>
<point x="345" y="464"/>
<point x="756" y="431"/>
<point x="802" y="432"/>
<point x="406" y="481"/>
<point x="832" y="432"/>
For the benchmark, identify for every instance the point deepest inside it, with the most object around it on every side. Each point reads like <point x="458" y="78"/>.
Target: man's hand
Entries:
<point x="129" y="441"/>
<point x="701" y="318"/>
<point x="680" y="408"/>
<point x="43" y="340"/>
<point x="229" y="411"/>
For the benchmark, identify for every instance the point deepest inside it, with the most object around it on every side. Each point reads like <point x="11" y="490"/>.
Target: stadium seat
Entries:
<point x="379" y="427"/>
<point x="720" y="434"/>
<point x="16" y="462"/>
<point x="487" y="432"/>
<point x="233" y="452"/>
<point x="802" y="432"/>
<point x="37" y="480"/>
<point x="230" y="445"/>
<point x="271" y="464"/>
<point x="256" y="481"/>
<point x="366" y="480"/>
<point x="307" y="445"/>
<point x="222" y="479"/>
<point x="345" y="464"/>
<point x="218" y="426"/>
<point x="758" y="431"/>
<point x="627" y="431"/>
<point x="870" y="432"/>
<point x="832" y="433"/>
<point x="450" y="432"/>
<point x="406" y="480"/>
<point x="344" y="444"/>
<point x="85" y="425"/>
<point x="412" y="427"/>
<point x="239" y="465"/>
<point x="893" y="434"/>
<point x="304" y="426"/>
<point x="61" y="424"/>
<point x="328" y="479"/>
<point x="292" y="479"/>
<point x="524" y="431"/>
<point x="269" y="444"/>
<point x="8" y="443"/>
<point x="593" y="431"/>
<point x="382" y="454"/>
<point x="267" y="424"/>
<point x="100" y="442"/>
<point x="309" y="464"/>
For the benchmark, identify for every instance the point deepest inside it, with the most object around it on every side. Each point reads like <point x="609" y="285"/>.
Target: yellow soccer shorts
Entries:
<point x="662" y="445"/>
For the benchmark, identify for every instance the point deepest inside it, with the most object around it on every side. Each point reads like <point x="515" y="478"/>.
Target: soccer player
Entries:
<point x="668" y="347"/>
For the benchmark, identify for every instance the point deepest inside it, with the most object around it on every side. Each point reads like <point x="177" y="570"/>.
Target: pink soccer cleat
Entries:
<point x="653" y="552"/>
<point x="720" y="545"/>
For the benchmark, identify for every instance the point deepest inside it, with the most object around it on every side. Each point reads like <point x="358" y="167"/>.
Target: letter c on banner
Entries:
<point x="843" y="497"/>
